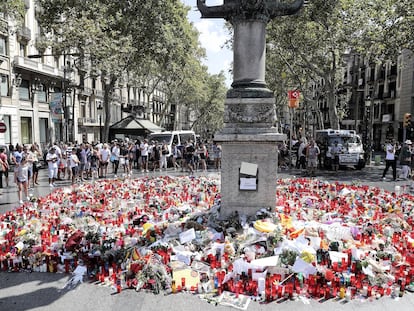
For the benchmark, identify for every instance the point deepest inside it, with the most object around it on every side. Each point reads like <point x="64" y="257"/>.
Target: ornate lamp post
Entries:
<point x="249" y="139"/>
<point x="99" y="107"/>
<point x="368" y="131"/>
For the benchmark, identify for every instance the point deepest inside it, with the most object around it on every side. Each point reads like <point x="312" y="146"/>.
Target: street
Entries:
<point x="45" y="291"/>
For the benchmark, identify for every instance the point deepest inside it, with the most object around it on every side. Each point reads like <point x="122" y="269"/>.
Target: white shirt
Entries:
<point x="390" y="150"/>
<point x="105" y="154"/>
<point x="144" y="149"/>
<point x="115" y="152"/>
<point x="54" y="163"/>
<point x="73" y="160"/>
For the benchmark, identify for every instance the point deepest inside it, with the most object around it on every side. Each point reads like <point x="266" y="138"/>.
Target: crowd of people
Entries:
<point x="398" y="158"/>
<point x="88" y="161"/>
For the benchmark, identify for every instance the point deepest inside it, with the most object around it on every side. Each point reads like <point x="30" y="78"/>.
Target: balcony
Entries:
<point x="4" y="28"/>
<point x="392" y="75"/>
<point x="33" y="65"/>
<point x="88" y="122"/>
<point x="85" y="91"/>
<point x="24" y="34"/>
<point x="99" y="94"/>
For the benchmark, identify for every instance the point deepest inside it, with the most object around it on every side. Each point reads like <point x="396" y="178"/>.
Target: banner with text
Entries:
<point x="56" y="107"/>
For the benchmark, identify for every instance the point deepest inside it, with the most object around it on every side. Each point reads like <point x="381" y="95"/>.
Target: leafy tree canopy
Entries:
<point x="309" y="47"/>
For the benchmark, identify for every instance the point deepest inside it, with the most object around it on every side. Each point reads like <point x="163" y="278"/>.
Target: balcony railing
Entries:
<point x="86" y="91"/>
<point x="24" y="33"/>
<point x="32" y="65"/>
<point x="4" y="28"/>
<point x="99" y="94"/>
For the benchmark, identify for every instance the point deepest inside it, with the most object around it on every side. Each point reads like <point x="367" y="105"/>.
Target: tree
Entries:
<point x="120" y="37"/>
<point x="310" y="45"/>
<point x="209" y="110"/>
<point x="13" y="9"/>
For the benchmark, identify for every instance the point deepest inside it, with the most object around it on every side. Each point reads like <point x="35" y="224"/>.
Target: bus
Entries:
<point x="352" y="149"/>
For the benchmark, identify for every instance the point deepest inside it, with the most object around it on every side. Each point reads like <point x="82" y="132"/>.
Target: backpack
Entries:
<point x="304" y="150"/>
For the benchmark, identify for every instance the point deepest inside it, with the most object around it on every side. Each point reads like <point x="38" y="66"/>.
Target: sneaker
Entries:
<point x="147" y="171"/>
<point x="21" y="202"/>
<point x="384" y="178"/>
<point x="51" y="185"/>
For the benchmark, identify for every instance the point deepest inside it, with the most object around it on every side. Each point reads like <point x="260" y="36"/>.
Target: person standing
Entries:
<point x="312" y="154"/>
<point x="16" y="157"/>
<point x="52" y="166"/>
<point x="23" y="180"/>
<point x="74" y="163"/>
<point x="189" y="156"/>
<point x="217" y="155"/>
<point x="176" y="156"/>
<point x="144" y="155"/>
<point x="115" y="157"/>
<point x="335" y="151"/>
<point x="124" y="158"/>
<point x="94" y="163"/>
<point x="202" y="154"/>
<point x="4" y="169"/>
<point x="37" y="155"/>
<point x="302" y="155"/>
<point x="28" y="154"/>
<point x="390" y="160"/>
<point x="163" y="157"/>
<point x="405" y="159"/>
<point x="104" y="156"/>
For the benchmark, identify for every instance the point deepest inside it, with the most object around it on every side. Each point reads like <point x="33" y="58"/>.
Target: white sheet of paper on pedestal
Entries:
<point x="248" y="169"/>
<point x="248" y="184"/>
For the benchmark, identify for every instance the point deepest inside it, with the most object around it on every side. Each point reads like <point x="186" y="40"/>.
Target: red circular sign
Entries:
<point x="3" y="127"/>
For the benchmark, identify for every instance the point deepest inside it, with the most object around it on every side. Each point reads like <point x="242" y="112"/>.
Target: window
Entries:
<point x="26" y="130"/>
<point x="3" y="46"/>
<point x="41" y="96"/>
<point x="4" y="85"/>
<point x="22" y="49"/>
<point x="24" y="90"/>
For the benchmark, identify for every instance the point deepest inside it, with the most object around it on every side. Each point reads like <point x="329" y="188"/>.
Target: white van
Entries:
<point x="176" y="137"/>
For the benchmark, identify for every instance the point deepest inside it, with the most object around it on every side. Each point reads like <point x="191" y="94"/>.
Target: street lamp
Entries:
<point x="368" y="128"/>
<point x="65" y="84"/>
<point x="99" y="107"/>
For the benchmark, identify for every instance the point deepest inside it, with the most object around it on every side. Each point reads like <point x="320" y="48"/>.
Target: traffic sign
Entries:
<point x="3" y="127"/>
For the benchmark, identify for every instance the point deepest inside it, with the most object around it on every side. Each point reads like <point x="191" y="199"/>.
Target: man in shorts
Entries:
<point x="144" y="155"/>
<point x="312" y="154"/>
<point x="104" y="156"/>
<point x="52" y="166"/>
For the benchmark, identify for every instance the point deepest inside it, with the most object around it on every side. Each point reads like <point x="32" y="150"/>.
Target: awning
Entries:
<point x="133" y="123"/>
<point x="147" y="124"/>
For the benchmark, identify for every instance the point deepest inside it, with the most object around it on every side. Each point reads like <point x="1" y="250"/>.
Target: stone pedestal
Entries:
<point x="248" y="134"/>
<point x="248" y="137"/>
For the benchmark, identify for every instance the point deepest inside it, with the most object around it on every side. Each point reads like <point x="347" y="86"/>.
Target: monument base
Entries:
<point x="248" y="170"/>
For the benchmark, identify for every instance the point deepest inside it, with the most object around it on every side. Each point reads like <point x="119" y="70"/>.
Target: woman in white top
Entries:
<point x="23" y="180"/>
<point x="74" y="164"/>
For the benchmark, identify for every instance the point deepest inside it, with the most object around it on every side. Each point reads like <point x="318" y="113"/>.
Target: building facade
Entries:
<point x="380" y="94"/>
<point x="45" y="98"/>
<point x="375" y="97"/>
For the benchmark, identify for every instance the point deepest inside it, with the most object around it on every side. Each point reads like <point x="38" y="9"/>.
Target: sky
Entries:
<point x="212" y="38"/>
